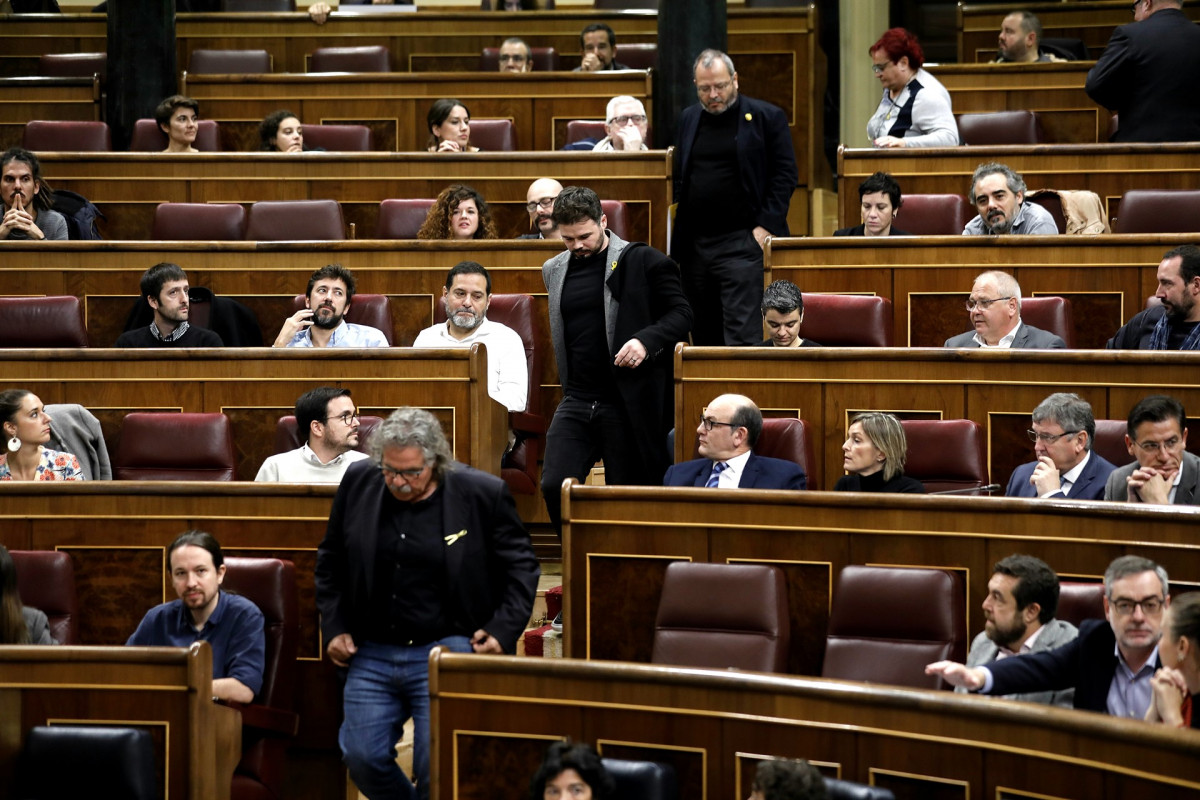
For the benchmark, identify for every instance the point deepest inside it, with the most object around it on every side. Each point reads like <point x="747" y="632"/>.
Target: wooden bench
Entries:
<point x="24" y="99"/>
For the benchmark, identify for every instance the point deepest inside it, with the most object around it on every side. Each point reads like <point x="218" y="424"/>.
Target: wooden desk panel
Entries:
<point x="24" y="99"/>
<point x="493" y="718"/>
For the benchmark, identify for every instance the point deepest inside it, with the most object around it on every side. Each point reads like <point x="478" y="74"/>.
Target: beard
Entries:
<point x="1004" y="637"/>
<point x="1003" y="226"/>
<point x="327" y="323"/>
<point x="466" y="320"/>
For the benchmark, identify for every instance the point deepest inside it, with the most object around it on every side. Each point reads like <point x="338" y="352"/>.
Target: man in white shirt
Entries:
<point x="466" y="297"/>
<point x="329" y="419"/>
<point x="322" y="322"/>
<point x="995" y="311"/>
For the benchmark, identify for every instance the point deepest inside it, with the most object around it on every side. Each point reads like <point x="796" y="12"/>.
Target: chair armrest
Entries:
<point x="525" y="422"/>
<point x="275" y="720"/>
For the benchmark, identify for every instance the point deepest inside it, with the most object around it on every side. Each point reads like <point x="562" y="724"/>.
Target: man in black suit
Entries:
<point x="729" y="427"/>
<point x="1062" y="433"/>
<point x="420" y="551"/>
<point x="735" y="172"/>
<point x="1109" y="665"/>
<point x="1147" y="74"/>
<point x="995" y="310"/>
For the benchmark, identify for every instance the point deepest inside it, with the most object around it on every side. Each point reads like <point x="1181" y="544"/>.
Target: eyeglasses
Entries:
<point x="347" y="417"/>
<point x="879" y="68"/>
<point x="705" y="88"/>
<point x="984" y="304"/>
<point x="1135" y="6"/>
<point x="545" y="202"/>
<point x="625" y="119"/>
<point x="709" y="422"/>
<point x="1153" y="447"/>
<point x="1151" y="606"/>
<point x="407" y="474"/>
<point x="1048" y="438"/>
<point x="514" y="58"/>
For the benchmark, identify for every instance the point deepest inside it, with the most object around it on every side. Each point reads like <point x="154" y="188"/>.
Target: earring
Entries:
<point x="14" y="444"/>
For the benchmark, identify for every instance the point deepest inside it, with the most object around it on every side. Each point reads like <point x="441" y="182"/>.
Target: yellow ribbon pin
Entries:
<point x="454" y="537"/>
<point x="614" y="266"/>
<point x="749" y="116"/>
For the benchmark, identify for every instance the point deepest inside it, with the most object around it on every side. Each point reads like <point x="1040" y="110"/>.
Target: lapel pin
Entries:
<point x="749" y="116"/>
<point x="454" y="537"/>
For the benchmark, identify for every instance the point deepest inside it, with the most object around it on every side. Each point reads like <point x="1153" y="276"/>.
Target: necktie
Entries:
<point x="1066" y="487"/>
<point x="715" y="477"/>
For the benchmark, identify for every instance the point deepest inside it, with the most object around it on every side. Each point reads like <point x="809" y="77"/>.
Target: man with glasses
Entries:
<point x="329" y="422"/>
<point x="1109" y="664"/>
<point x="515" y="56"/>
<point x="728" y="430"/>
<point x="998" y="194"/>
<point x="539" y="202"/>
<point x="1062" y="433"/>
<point x="1164" y="473"/>
<point x="735" y="171"/>
<point x="420" y="551"/>
<point x="995" y="311"/>
<point x="625" y="128"/>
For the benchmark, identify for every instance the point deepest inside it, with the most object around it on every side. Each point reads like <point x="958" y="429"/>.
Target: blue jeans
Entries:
<point x="385" y="686"/>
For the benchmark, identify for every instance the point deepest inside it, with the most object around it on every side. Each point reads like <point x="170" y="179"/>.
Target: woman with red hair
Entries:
<point x="915" y="109"/>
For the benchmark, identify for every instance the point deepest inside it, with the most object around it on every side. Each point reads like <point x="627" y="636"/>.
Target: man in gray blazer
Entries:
<point x="995" y="310"/>
<point x="1019" y="613"/>
<point x="1164" y="472"/>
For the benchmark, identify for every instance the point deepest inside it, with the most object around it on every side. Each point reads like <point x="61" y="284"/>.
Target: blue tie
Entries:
<point x="715" y="477"/>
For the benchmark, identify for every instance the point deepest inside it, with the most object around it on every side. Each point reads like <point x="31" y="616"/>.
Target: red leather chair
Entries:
<point x="934" y="214"/>
<point x="295" y="220"/>
<point x="215" y="222"/>
<point x="580" y="129"/>
<point x="67" y="136"/>
<point x="73" y="65"/>
<point x="401" y="218"/>
<point x="494" y="135"/>
<point x="339" y="138"/>
<point x="229" y="62"/>
<point x="1110" y="441"/>
<point x="1158" y="211"/>
<point x="287" y="435"/>
<point x="790" y="439"/>
<point x="545" y="59"/>
<point x="174" y="447"/>
<point x="46" y="581"/>
<point x="369" y="58"/>
<point x="1050" y="314"/>
<point x="747" y="629"/>
<point x="270" y="721"/>
<point x="1052" y="202"/>
<point x="946" y="454"/>
<point x="847" y="320"/>
<point x="69" y="761"/>
<point x="887" y="623"/>
<point x="148" y="137"/>
<point x="42" y="322"/>
<point x="365" y="309"/>
<point x="1000" y="127"/>
<point x="617" y="216"/>
<point x="638" y="55"/>
<point x="1079" y="600"/>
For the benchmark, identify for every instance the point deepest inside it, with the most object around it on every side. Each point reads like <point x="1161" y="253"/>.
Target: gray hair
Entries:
<point x="782" y="296"/>
<point x="414" y="427"/>
<point x="1016" y="184"/>
<point x="707" y="57"/>
<point x="1125" y="566"/>
<point x="611" y="108"/>
<point x="1006" y="284"/>
<point x="1070" y="411"/>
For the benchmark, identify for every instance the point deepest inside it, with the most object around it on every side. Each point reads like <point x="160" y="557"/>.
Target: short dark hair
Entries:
<point x="1155" y="408"/>
<point x="574" y="204"/>
<point x="44" y="199"/>
<point x="1189" y="260"/>
<point x="268" y="129"/>
<point x="313" y="406"/>
<point x="1030" y="23"/>
<point x="333" y="271"/>
<point x="157" y="276"/>
<point x="747" y="415"/>
<point x="782" y="296"/>
<point x="599" y="26"/>
<point x="468" y="268"/>
<point x="198" y="539"/>
<point x="881" y="182"/>
<point x="562" y="756"/>
<point x="166" y="109"/>
<point x="789" y="779"/>
<point x="11" y="401"/>
<point x="1036" y="583"/>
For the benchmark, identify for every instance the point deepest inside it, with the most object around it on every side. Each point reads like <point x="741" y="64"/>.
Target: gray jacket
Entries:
<point x="38" y="626"/>
<point x="1055" y="633"/>
<point x="1028" y="338"/>
<point x="1188" y="493"/>
<point x="76" y="430"/>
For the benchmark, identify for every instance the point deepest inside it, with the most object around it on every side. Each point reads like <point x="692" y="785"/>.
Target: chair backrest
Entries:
<point x="638" y="55"/>
<point x="1052" y="202"/>
<point x="1079" y="600"/>
<point x="580" y="129"/>
<point x="42" y="322"/>
<point x="401" y="218"/>
<point x="642" y="780"/>
<point x="1110" y="441"/>
<point x="339" y="138"/>
<point x="229" y="62"/>
<point x="148" y="137"/>
<point x="494" y="135"/>
<point x="287" y="434"/>
<point x="1000" y="127"/>
<point x="791" y="440"/>
<point x="209" y="222"/>
<point x="747" y="629"/>
<point x="934" y="214"/>
<point x="887" y="623"/>
<point x="617" y="214"/>
<point x="175" y="447"/>
<point x="257" y="6"/>
<point x="367" y="58"/>
<point x="46" y="581"/>
<point x="1050" y="314"/>
<point x="365" y="309"/>
<point x="545" y="59"/>
<point x="67" y="761"/>
<point x="1065" y="48"/>
<point x="847" y="320"/>
<point x="946" y="454"/>
<point x="1158" y="211"/>
<point x="295" y="220"/>
<point x="848" y="790"/>
<point x="73" y="65"/>
<point x="270" y="584"/>
<point x="73" y="136"/>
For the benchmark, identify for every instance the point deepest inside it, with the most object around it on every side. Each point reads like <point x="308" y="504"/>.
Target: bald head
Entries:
<point x="541" y="191"/>
<point x="742" y="423"/>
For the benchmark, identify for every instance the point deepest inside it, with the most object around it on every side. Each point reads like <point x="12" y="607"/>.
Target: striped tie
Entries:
<point x="715" y="477"/>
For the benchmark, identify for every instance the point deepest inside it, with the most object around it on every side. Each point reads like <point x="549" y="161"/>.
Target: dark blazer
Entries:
<point x="861" y="230"/>
<point x="1188" y="493"/>
<point x="761" y="472"/>
<point x="1090" y="485"/>
<point x="766" y="161"/>
<point x="491" y="571"/>
<point x="899" y="484"/>
<point x="1028" y="338"/>
<point x="1147" y="74"/>
<point x="1135" y="334"/>
<point x="1087" y="663"/>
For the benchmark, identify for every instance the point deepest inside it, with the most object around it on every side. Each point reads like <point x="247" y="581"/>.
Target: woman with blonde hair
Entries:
<point x="874" y="454"/>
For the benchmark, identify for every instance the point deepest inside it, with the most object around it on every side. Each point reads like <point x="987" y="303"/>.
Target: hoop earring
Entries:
<point x="14" y="444"/>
